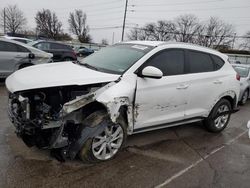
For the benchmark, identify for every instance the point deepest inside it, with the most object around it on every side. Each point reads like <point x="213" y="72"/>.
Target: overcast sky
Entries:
<point x="103" y="14"/>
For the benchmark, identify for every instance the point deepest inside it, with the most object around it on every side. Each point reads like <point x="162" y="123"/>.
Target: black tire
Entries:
<point x="67" y="59"/>
<point x="243" y="99"/>
<point x="24" y="65"/>
<point x="96" y="118"/>
<point x="210" y="121"/>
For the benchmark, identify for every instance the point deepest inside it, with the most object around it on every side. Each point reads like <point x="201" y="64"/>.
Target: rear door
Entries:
<point x="58" y="51"/>
<point x="206" y="82"/>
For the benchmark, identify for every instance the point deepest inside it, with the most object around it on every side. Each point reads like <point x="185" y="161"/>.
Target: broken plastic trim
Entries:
<point x="86" y="133"/>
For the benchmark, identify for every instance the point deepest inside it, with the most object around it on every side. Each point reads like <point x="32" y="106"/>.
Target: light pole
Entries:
<point x="233" y="41"/>
<point x="124" y="19"/>
<point x="4" y="21"/>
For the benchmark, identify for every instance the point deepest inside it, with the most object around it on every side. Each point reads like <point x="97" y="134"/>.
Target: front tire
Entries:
<point x="108" y="143"/>
<point x="216" y="122"/>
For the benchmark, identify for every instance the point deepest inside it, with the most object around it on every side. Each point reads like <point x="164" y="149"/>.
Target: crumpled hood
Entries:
<point x="55" y="74"/>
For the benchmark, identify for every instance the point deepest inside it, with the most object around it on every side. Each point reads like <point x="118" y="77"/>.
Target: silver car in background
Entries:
<point x="15" y="55"/>
<point x="19" y="39"/>
<point x="244" y="72"/>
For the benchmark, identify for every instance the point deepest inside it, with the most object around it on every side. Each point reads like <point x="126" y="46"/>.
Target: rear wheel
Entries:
<point x="105" y="145"/>
<point x="219" y="116"/>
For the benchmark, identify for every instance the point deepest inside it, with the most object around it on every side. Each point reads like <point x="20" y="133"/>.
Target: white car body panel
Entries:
<point x="56" y="74"/>
<point x="160" y="101"/>
<point x="208" y="88"/>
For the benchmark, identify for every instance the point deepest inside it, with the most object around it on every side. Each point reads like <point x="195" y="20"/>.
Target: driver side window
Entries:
<point x="43" y="46"/>
<point x="170" y="62"/>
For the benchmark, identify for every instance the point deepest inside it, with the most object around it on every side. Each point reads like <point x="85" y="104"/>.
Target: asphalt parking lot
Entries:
<point x="184" y="156"/>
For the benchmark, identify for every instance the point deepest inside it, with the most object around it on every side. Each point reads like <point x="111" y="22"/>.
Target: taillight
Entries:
<point x="74" y="53"/>
<point x="237" y="77"/>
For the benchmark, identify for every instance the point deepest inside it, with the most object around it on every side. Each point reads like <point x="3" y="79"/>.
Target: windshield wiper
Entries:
<point x="89" y="66"/>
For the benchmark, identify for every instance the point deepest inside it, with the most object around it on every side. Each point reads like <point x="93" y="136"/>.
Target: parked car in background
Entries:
<point x="19" y="39"/>
<point x="244" y="72"/>
<point x="61" y="52"/>
<point x="16" y="55"/>
<point x="83" y="51"/>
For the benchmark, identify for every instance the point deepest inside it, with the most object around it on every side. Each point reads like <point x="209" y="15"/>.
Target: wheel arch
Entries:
<point x="231" y="96"/>
<point x="23" y="65"/>
<point x="231" y="100"/>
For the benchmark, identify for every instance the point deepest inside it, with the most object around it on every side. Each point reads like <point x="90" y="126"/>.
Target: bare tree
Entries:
<point x="165" y="30"/>
<point x="104" y="42"/>
<point x="78" y="25"/>
<point x="218" y="33"/>
<point x="137" y="34"/>
<point x="245" y="45"/>
<point x="47" y="24"/>
<point x="186" y="28"/>
<point x="162" y="30"/>
<point x="14" y="19"/>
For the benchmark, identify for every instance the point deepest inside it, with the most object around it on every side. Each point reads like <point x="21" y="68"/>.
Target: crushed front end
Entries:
<point x="39" y="118"/>
<point x="35" y="120"/>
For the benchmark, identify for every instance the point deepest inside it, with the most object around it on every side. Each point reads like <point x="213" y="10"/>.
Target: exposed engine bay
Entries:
<point x="39" y="119"/>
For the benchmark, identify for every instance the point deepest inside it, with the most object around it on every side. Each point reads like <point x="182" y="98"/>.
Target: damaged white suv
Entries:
<point x="88" y="109"/>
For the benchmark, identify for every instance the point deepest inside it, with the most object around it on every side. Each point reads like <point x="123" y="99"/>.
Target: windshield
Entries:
<point x="242" y="71"/>
<point x="117" y="58"/>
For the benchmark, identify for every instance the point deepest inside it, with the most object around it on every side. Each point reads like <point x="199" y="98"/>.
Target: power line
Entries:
<point x="111" y="27"/>
<point x="96" y="10"/>
<point x="176" y="4"/>
<point x="104" y="13"/>
<point x="106" y="20"/>
<point x="180" y="10"/>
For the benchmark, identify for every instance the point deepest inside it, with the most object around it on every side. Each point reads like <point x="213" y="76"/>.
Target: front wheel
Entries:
<point x="219" y="116"/>
<point x="105" y="145"/>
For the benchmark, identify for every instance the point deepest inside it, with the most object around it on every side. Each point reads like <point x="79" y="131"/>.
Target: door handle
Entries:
<point x="18" y="56"/>
<point x="217" y="82"/>
<point x="182" y="86"/>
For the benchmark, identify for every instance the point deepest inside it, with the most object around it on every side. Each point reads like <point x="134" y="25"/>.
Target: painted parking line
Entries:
<point x="180" y="173"/>
<point x="155" y="155"/>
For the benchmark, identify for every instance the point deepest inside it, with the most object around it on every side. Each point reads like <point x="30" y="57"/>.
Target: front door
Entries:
<point x="161" y="101"/>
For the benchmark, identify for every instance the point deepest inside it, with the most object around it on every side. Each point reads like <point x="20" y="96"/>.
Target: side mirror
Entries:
<point x="31" y="56"/>
<point x="151" y="72"/>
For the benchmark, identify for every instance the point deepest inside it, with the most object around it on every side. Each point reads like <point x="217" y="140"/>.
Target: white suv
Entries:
<point x="89" y="108"/>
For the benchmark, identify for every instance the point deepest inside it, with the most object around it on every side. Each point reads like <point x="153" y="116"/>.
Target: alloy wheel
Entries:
<point x="107" y="144"/>
<point x="221" y="121"/>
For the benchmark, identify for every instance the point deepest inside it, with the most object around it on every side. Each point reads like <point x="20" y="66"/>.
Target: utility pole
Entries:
<point x="113" y="37"/>
<point x="233" y="41"/>
<point x="4" y="21"/>
<point x="124" y="19"/>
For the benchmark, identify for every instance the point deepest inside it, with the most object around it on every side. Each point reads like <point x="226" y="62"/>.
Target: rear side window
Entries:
<point x="218" y="62"/>
<point x="42" y="46"/>
<point x="56" y="46"/>
<point x="200" y="62"/>
<point x="170" y="62"/>
<point x="11" y="47"/>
